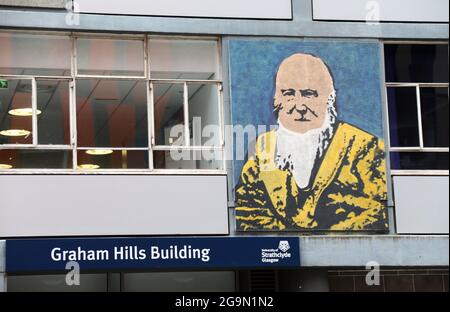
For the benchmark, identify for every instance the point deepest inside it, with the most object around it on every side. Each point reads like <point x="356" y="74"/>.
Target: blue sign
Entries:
<point x="37" y="255"/>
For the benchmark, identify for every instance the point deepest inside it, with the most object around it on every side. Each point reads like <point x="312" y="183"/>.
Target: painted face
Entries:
<point x="303" y="87"/>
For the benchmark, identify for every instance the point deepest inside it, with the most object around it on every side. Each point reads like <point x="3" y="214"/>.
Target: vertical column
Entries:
<point x="2" y="267"/>
<point x="2" y="282"/>
<point x="114" y="282"/>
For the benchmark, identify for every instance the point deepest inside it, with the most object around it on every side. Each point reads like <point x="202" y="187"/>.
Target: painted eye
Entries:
<point x="288" y="92"/>
<point x="309" y="93"/>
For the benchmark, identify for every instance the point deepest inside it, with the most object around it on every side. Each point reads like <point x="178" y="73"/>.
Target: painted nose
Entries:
<point x="302" y="111"/>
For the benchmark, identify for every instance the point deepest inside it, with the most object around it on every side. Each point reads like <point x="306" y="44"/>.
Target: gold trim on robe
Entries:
<point x="347" y="193"/>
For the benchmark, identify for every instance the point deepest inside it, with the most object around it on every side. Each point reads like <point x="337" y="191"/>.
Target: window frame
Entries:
<point x="218" y="82"/>
<point x="152" y="147"/>
<point x="418" y="86"/>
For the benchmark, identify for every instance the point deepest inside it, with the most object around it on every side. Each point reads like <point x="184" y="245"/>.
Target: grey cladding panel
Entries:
<point x="89" y="205"/>
<point x="382" y="10"/>
<point x="421" y="205"/>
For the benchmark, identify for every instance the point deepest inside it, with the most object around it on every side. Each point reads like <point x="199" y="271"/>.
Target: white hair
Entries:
<point x="328" y="127"/>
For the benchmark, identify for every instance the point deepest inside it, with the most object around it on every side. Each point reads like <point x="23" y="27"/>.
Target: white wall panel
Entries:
<point x="266" y="9"/>
<point x="421" y="204"/>
<point x="90" y="205"/>
<point x="389" y="10"/>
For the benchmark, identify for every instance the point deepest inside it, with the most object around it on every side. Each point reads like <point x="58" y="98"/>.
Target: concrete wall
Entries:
<point x="388" y="251"/>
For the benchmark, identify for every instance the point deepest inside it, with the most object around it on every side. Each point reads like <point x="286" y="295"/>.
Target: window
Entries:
<point x="418" y="108"/>
<point x="90" y="103"/>
<point x="214" y="281"/>
<point x="97" y="282"/>
<point x="30" y="54"/>
<point x="187" y="133"/>
<point x="112" y="57"/>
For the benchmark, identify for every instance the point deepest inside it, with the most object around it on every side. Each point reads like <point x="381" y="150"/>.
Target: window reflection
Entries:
<point x="112" y="113"/>
<point x="53" y="99"/>
<point x="185" y="159"/>
<point x="184" y="59"/>
<point x="15" y="122"/>
<point x="110" y="57"/>
<point x="434" y="105"/>
<point x="23" y="54"/>
<point x="403" y="118"/>
<point x="419" y="161"/>
<point x="117" y="159"/>
<point x="36" y="159"/>
<point x="169" y="113"/>
<point x="204" y="114"/>
<point x="109" y="112"/>
<point x="416" y="63"/>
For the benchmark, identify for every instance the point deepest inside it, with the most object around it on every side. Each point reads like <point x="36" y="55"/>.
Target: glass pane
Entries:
<point x="416" y="63"/>
<point x="112" y="113"/>
<point x="188" y="159"/>
<point x="419" y="161"/>
<point x="53" y="101"/>
<point x="169" y="114"/>
<point x="104" y="159"/>
<point x="204" y="115"/>
<point x="36" y="159"/>
<point x="110" y="57"/>
<point x="15" y="117"/>
<point x="434" y="105"/>
<point x="57" y="283"/>
<point x="403" y="120"/>
<point x="23" y="54"/>
<point x="183" y="59"/>
<point x="179" y="282"/>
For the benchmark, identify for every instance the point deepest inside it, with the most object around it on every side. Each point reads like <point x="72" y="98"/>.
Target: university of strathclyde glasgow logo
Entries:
<point x="284" y="246"/>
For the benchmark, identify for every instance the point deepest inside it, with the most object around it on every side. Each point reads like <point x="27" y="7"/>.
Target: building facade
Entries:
<point x="268" y="145"/>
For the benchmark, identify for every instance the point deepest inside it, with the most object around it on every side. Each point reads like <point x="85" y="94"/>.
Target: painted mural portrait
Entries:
<point x="314" y="171"/>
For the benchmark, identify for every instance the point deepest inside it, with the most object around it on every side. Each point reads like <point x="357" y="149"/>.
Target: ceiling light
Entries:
<point x="24" y="112"/>
<point x="99" y="152"/>
<point x="41" y="88"/>
<point x="15" y="133"/>
<point x="5" y="166"/>
<point x="88" y="167"/>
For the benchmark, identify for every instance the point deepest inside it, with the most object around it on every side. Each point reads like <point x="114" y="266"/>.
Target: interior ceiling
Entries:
<point x="169" y="96"/>
<point x="98" y="92"/>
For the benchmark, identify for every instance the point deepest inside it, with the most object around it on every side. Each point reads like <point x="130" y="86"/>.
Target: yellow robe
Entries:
<point x="348" y="190"/>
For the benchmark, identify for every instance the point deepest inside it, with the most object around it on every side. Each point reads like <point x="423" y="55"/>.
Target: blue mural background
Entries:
<point x="355" y="66"/>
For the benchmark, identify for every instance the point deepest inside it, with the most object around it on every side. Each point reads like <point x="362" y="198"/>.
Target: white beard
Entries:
<point x="297" y="152"/>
